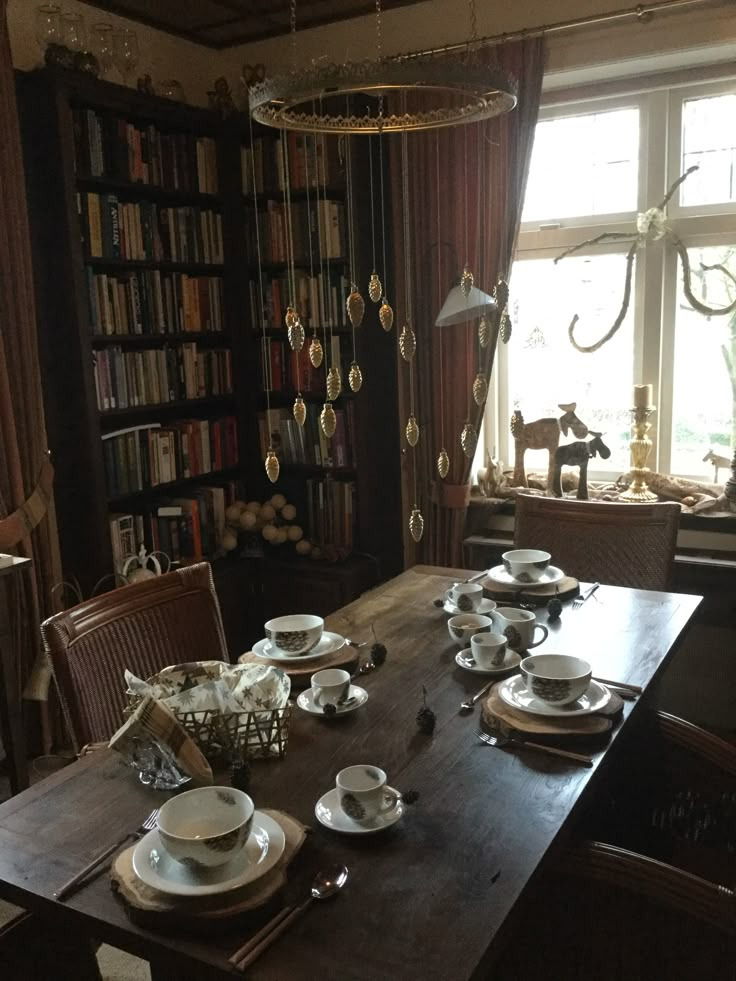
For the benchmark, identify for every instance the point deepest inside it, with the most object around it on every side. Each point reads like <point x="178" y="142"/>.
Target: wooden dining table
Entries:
<point x="435" y="896"/>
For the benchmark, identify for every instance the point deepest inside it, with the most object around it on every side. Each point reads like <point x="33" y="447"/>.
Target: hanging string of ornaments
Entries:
<point x="374" y="98"/>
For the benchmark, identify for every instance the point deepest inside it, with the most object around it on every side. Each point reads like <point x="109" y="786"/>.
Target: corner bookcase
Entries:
<point x="153" y="358"/>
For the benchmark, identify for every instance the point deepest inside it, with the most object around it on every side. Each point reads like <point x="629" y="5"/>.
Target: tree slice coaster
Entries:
<point x="496" y="710"/>
<point x="149" y="907"/>
<point x="300" y="674"/>
<point x="566" y="588"/>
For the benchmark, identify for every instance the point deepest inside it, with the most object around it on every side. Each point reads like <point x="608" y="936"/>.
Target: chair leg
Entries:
<point x="31" y="949"/>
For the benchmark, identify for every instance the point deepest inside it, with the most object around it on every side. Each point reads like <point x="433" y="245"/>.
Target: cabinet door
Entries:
<point x="296" y="592"/>
<point x="239" y="593"/>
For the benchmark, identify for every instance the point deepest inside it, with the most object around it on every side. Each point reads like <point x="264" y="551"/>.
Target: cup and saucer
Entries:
<point x="361" y="802"/>
<point x="467" y="597"/>
<point x="332" y="687"/>
<point x="506" y="661"/>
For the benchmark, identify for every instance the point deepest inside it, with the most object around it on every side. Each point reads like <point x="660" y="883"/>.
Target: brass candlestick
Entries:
<point x="641" y="446"/>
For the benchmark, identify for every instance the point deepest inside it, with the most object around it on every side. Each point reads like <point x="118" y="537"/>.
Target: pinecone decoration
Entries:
<point x="353" y="807"/>
<point x="378" y="650"/>
<point x="240" y="774"/>
<point x="505" y="332"/>
<point x="426" y="719"/>
<point x="410" y="796"/>
<point x="554" y="607"/>
<point x="329" y="709"/>
<point x="500" y="294"/>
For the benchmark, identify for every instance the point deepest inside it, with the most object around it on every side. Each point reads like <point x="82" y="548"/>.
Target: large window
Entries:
<point x="595" y="166"/>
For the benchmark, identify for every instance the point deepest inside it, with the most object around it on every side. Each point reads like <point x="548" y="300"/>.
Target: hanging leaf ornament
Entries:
<point x="272" y="466"/>
<point x="386" y="316"/>
<point x="443" y="463"/>
<point x="327" y="420"/>
<point x="416" y="524"/>
<point x="500" y="294"/>
<point x="296" y="335"/>
<point x="505" y="329"/>
<point x="291" y="317"/>
<point x="356" y="308"/>
<point x="355" y="377"/>
<point x="480" y="389"/>
<point x="466" y="281"/>
<point x="469" y="440"/>
<point x="316" y="354"/>
<point x="412" y="431"/>
<point x="334" y="383"/>
<point x="299" y="410"/>
<point x="407" y="343"/>
<point x="484" y="331"/>
<point x="375" y="290"/>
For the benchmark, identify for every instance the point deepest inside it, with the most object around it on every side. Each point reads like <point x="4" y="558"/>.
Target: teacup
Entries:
<point x="330" y="687"/>
<point x="295" y="634"/>
<point x="462" y="627"/>
<point x="362" y="792"/>
<point x="489" y="650"/>
<point x="556" y="678"/>
<point x="526" y="564"/>
<point x="466" y="596"/>
<point x="206" y="827"/>
<point x="518" y="626"/>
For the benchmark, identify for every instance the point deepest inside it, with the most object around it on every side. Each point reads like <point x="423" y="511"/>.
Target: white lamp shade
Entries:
<point x="458" y="308"/>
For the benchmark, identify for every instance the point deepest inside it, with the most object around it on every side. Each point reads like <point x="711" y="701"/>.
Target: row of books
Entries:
<point x="113" y="147"/>
<point x="307" y="444"/>
<point x="283" y="369"/>
<point x="330" y="512"/>
<point x="311" y="161"/>
<point x="320" y="299"/>
<point x="146" y="456"/>
<point x="148" y="301"/>
<point x="319" y="225"/>
<point x="125" y="379"/>
<point x="141" y="230"/>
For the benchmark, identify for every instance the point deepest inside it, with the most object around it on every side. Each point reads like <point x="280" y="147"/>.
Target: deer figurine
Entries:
<point x="543" y="434"/>
<point x="719" y="463"/>
<point x="577" y="455"/>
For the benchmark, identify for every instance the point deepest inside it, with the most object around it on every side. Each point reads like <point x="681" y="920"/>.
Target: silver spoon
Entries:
<point x="325" y="884"/>
<point x="468" y="704"/>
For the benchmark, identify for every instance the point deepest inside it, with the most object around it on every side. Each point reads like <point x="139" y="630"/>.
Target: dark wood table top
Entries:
<point x="425" y="899"/>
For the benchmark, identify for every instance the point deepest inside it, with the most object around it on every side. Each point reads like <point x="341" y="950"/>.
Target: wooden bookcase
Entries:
<point x="69" y="346"/>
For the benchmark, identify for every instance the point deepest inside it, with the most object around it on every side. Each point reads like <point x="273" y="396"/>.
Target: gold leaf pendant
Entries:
<point x="328" y="420"/>
<point x="386" y="316"/>
<point x="505" y="330"/>
<point x="355" y="377"/>
<point x="501" y="294"/>
<point x="407" y="343"/>
<point x="334" y="383"/>
<point x="296" y="335"/>
<point x="375" y="290"/>
<point x="416" y="524"/>
<point x="356" y="308"/>
<point x="484" y="331"/>
<point x="443" y="463"/>
<point x="412" y="431"/>
<point x="299" y="410"/>
<point x="469" y="440"/>
<point x="291" y="317"/>
<point x="272" y="466"/>
<point x="466" y="281"/>
<point x="316" y="354"/>
<point x="480" y="389"/>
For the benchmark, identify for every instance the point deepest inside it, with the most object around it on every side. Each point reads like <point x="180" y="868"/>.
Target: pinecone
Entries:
<point x="426" y="719"/>
<point x="240" y="774"/>
<point x="329" y="709"/>
<point x="410" y="796"/>
<point x="554" y="608"/>
<point x="378" y="651"/>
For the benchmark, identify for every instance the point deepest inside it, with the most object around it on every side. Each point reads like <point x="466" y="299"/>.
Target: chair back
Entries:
<point x="597" y="541"/>
<point x="144" y="627"/>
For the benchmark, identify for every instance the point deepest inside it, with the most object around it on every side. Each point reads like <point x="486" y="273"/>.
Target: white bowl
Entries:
<point x="295" y="634"/>
<point x="206" y="827"/>
<point x="557" y="679"/>
<point x="526" y="564"/>
<point x="462" y="627"/>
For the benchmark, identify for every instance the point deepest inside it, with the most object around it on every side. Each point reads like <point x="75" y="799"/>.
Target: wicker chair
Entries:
<point x="616" y="544"/>
<point x="144" y="627"/>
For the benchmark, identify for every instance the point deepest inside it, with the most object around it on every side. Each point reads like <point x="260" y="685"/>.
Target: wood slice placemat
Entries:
<point x="566" y="588"/>
<point x="149" y="907"/>
<point x="495" y="710"/>
<point x="300" y="674"/>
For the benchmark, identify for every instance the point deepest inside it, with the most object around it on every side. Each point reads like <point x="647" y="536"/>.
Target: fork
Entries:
<point x="500" y="740"/>
<point x="577" y="603"/>
<point x="75" y="883"/>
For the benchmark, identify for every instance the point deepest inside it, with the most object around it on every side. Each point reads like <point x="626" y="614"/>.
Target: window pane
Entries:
<point x="544" y="367"/>
<point x="709" y="140"/>
<point x="584" y="165"/>
<point x="705" y="367"/>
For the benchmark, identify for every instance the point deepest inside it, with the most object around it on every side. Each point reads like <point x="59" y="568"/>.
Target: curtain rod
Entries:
<point x="642" y="12"/>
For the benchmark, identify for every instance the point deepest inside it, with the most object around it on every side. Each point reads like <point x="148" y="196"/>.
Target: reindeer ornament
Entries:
<point x="543" y="434"/>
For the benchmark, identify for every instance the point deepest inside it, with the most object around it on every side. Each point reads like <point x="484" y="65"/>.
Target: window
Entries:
<point x="595" y="166"/>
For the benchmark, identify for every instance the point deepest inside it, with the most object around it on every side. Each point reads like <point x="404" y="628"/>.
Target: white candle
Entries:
<point x="642" y="396"/>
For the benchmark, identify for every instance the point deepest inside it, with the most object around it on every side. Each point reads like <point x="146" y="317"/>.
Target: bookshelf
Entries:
<point x="152" y="348"/>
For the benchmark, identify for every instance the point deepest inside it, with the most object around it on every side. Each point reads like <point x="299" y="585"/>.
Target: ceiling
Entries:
<point x="225" y="23"/>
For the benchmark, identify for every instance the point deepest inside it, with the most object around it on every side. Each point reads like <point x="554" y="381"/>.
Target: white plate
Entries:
<point x="465" y="660"/>
<point x="154" y="866"/>
<point x="306" y="701"/>
<point x="329" y="813"/>
<point x="549" y="577"/>
<point x="328" y="643"/>
<point x="486" y="606"/>
<point x="514" y="692"/>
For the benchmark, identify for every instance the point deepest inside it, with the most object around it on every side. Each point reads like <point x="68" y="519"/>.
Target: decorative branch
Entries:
<point x="588" y="349"/>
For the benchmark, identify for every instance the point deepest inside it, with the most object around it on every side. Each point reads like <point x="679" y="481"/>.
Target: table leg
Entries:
<point x="11" y="705"/>
<point x="33" y="949"/>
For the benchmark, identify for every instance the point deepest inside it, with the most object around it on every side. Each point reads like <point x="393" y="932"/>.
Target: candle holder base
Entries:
<point x="638" y="491"/>
<point x="640" y="445"/>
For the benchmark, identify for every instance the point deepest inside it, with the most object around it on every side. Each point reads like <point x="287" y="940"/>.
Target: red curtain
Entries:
<point x="481" y="172"/>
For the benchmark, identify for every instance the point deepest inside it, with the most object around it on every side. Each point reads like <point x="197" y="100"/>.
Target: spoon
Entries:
<point x="468" y="704"/>
<point x="326" y="884"/>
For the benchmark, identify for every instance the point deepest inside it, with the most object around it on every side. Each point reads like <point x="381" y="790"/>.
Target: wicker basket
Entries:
<point x="246" y="734"/>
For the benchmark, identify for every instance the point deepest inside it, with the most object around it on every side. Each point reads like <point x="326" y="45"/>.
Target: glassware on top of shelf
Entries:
<point x="171" y="89"/>
<point x="102" y="45"/>
<point x="48" y="25"/>
<point x="125" y="52"/>
<point x="72" y="32"/>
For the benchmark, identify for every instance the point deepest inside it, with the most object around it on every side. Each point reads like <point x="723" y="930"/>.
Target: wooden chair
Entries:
<point x="144" y="627"/>
<point x="596" y="541"/>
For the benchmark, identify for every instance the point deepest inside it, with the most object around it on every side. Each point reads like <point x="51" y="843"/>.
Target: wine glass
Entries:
<point x="103" y="45"/>
<point x="125" y="52"/>
<point x="72" y="31"/>
<point x="48" y="25"/>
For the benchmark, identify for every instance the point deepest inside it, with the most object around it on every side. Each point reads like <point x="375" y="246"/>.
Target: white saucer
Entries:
<point x="154" y="866"/>
<point x="306" y="701"/>
<point x="514" y="692"/>
<point x="328" y="643"/>
<point x="329" y="813"/>
<point x="465" y="660"/>
<point x="549" y="577"/>
<point x="484" y="608"/>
